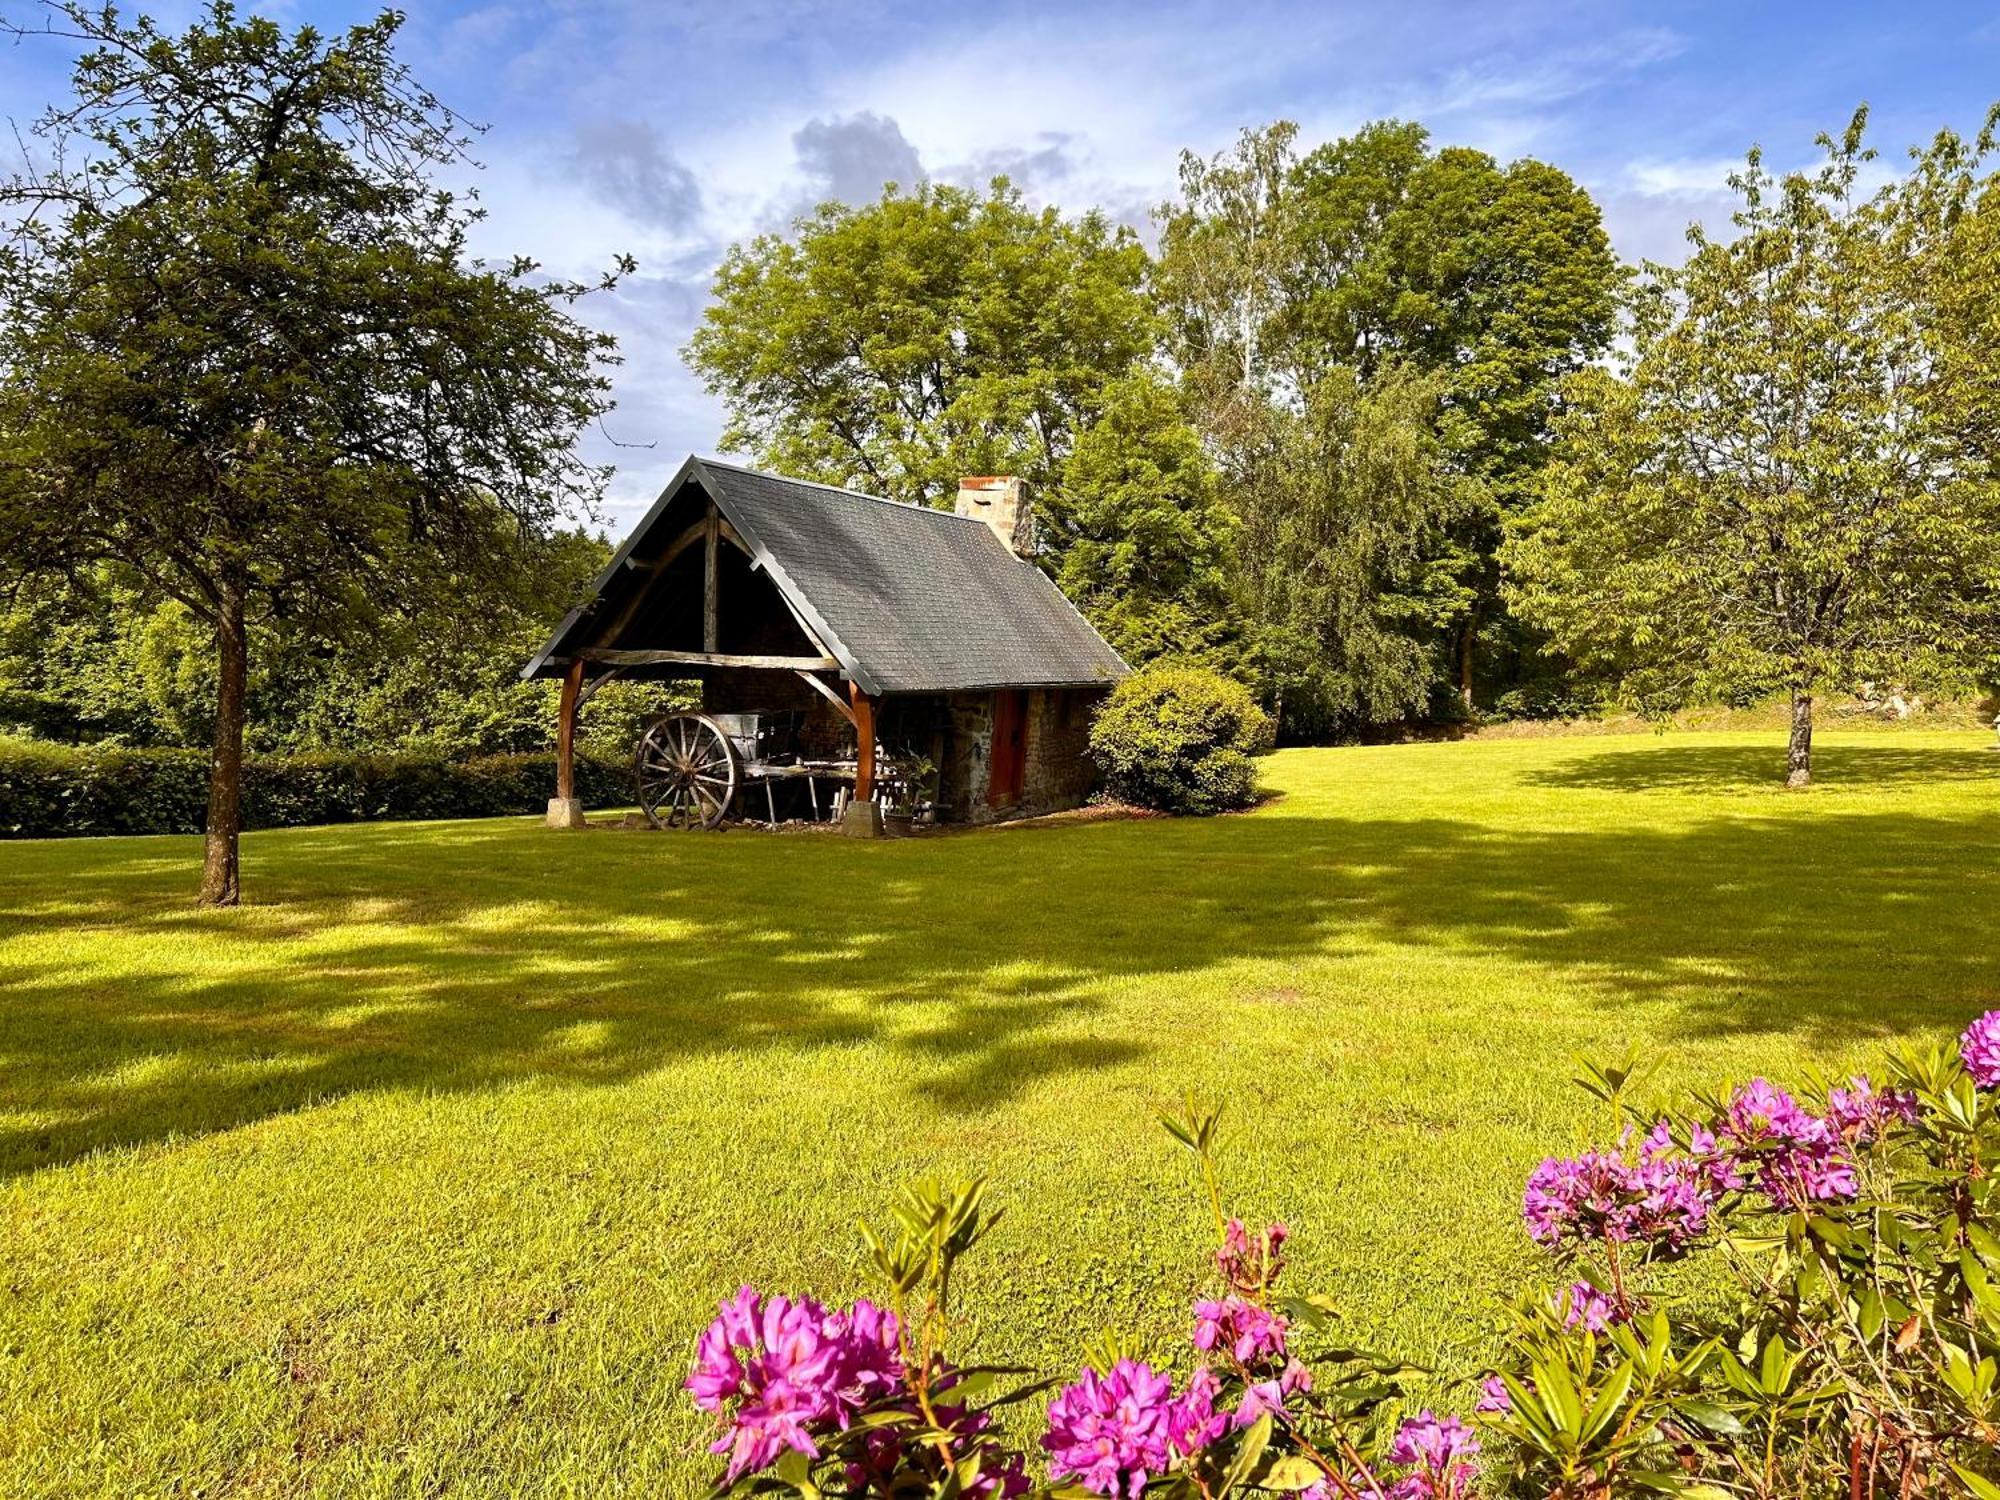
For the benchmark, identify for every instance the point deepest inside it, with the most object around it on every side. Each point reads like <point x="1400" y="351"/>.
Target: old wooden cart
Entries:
<point x="698" y="769"/>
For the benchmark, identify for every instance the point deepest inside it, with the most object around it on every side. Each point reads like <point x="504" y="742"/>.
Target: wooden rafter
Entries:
<point x="612" y="657"/>
<point x="820" y="686"/>
<point x="699" y="531"/>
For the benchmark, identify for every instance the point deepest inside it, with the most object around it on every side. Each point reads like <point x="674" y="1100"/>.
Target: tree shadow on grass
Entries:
<point x="1761" y="768"/>
<point x="461" y="956"/>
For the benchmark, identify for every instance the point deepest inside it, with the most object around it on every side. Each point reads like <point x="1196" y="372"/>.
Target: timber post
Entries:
<point x="711" y="601"/>
<point x="566" y="810"/>
<point x="864" y="818"/>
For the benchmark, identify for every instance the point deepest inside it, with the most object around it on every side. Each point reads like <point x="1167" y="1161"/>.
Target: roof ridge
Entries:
<point x="927" y="510"/>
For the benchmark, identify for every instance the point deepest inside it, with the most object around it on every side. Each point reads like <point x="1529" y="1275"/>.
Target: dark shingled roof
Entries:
<point x="909" y="599"/>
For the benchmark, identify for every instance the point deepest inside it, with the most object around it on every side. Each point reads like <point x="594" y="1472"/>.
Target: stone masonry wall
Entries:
<point x="1058" y="773"/>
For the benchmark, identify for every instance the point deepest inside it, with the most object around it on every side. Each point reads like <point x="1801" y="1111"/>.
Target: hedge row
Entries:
<point x="52" y="791"/>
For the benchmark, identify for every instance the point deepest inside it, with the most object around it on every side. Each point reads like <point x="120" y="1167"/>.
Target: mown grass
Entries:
<point x="418" y="1175"/>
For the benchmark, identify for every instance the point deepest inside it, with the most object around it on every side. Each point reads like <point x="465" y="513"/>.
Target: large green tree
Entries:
<point x="1144" y="539"/>
<point x="1792" y="484"/>
<point x="1376" y="258"/>
<point x="247" y="359"/>
<point x="936" y="333"/>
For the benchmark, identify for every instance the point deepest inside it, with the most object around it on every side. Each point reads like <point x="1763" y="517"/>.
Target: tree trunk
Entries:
<point x="1798" y="755"/>
<point x="1465" y="639"/>
<point x="220" y="870"/>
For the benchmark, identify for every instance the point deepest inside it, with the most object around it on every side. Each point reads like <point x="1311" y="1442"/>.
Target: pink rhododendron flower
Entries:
<point x="1796" y="1157"/>
<point x="1724" y="1173"/>
<point x="1192" y="1421"/>
<point x="1662" y="1198"/>
<point x="780" y="1369"/>
<point x="1759" y="1111"/>
<point x="779" y="1366"/>
<point x="1587" y="1306"/>
<point x="871" y="1356"/>
<point x="1493" y="1397"/>
<point x="1270" y="1395"/>
<point x="1860" y="1112"/>
<point x="1441" y="1456"/>
<point x="1581" y="1197"/>
<point x="1249" y="1333"/>
<point x="1251" y="1265"/>
<point x="1115" y="1431"/>
<point x="1979" y="1049"/>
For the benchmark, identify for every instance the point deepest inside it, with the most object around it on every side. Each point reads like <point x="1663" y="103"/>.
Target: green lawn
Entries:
<point x="419" y="1175"/>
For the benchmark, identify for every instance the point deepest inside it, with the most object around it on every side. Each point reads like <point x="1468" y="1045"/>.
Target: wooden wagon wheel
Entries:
<point x="687" y="771"/>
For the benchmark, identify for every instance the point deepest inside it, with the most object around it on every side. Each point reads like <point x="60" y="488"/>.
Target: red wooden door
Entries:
<point x="1010" y="748"/>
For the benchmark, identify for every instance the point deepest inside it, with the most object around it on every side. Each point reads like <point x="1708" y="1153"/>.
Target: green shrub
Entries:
<point x="52" y="791"/>
<point x="1180" y="739"/>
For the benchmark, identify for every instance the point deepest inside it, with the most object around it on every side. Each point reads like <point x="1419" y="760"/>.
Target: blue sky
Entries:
<point x="669" y="129"/>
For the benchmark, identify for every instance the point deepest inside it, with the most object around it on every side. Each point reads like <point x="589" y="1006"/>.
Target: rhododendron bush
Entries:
<point x="1855" y="1354"/>
<point x="1854" y="1351"/>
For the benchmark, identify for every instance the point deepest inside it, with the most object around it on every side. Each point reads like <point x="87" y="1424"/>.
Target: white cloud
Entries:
<point x="1682" y="178"/>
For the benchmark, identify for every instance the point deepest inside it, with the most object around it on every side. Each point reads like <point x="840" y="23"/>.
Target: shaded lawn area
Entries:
<point x="418" y="1175"/>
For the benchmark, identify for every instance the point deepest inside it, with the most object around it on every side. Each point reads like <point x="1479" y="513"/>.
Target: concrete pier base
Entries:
<point x="862" y="820"/>
<point x="565" y="812"/>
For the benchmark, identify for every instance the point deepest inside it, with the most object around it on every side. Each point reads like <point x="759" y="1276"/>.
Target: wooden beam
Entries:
<point x="652" y="570"/>
<point x="572" y="690"/>
<point x="711" y="605"/>
<point x="818" y="685"/>
<point x="864" y="743"/>
<point x="611" y="657"/>
<point x="590" y="688"/>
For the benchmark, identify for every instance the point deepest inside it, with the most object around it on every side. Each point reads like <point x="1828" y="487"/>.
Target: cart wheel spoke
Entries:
<point x="686" y="772"/>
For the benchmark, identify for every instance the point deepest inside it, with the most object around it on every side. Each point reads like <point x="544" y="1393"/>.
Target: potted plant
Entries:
<point x="907" y="801"/>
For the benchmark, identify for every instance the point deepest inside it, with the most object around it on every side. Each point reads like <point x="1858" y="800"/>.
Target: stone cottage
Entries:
<point x="876" y="632"/>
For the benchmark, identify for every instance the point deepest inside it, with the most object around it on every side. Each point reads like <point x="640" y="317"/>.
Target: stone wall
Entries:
<point x="1058" y="774"/>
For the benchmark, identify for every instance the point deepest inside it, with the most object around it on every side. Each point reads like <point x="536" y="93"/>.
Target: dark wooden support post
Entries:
<point x="566" y="811"/>
<point x="711" y="617"/>
<point x="863" y="819"/>
<point x="864" y="743"/>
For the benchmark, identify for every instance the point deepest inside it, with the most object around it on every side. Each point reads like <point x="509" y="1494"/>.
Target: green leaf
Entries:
<point x="1983" y="1241"/>
<point x="1248" y="1452"/>
<point x="1708" y="1416"/>
<point x="1291" y="1472"/>
<point x="1979" y="1489"/>
<point x="795" y="1469"/>
<point x="1559" y="1395"/>
<point x="1610" y="1397"/>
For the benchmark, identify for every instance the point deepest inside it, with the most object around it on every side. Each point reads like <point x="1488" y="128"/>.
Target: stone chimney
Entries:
<point x="1001" y="501"/>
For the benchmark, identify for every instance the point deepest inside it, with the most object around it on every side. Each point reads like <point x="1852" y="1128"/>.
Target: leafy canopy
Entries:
<point x="934" y="334"/>
<point x="246" y="356"/>
<point x="1375" y="292"/>
<point x="1791" y="486"/>
<point x="902" y="345"/>
<point x="244" y="350"/>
